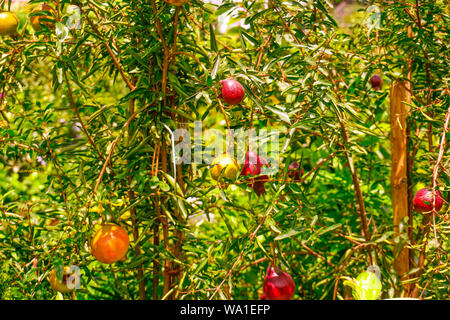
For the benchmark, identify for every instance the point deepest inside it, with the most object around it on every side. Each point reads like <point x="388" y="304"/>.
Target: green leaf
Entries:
<point x="214" y="69"/>
<point x="209" y="81"/>
<point x="251" y="39"/>
<point x="213" y="42"/>
<point x="290" y="233"/>
<point x="328" y="229"/>
<point x="281" y="114"/>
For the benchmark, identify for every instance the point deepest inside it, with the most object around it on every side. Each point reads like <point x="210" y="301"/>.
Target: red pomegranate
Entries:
<point x="252" y="169"/>
<point x="376" y="82"/>
<point x="423" y="200"/>
<point x="232" y="91"/>
<point x="252" y="164"/>
<point x="278" y="285"/>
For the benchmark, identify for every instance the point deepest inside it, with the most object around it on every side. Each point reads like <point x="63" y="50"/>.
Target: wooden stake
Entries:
<point x="410" y="163"/>
<point x="400" y="97"/>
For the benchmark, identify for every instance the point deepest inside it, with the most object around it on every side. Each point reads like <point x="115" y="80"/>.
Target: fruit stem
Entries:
<point x="222" y="109"/>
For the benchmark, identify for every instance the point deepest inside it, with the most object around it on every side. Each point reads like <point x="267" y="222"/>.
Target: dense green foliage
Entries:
<point x="85" y="137"/>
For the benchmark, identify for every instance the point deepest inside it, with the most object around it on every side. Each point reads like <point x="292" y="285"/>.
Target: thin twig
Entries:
<point x="108" y="48"/>
<point x="252" y="236"/>
<point x="108" y="159"/>
<point x="75" y="108"/>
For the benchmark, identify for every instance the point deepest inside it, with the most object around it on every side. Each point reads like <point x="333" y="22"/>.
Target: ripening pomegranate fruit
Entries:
<point x="376" y="82"/>
<point x="252" y="169"/>
<point x="423" y="200"/>
<point x="252" y="164"/>
<point x="278" y="285"/>
<point x="65" y="284"/>
<point x="294" y="171"/>
<point x="232" y="91"/>
<point x="258" y="184"/>
<point x="110" y="243"/>
<point x="224" y="166"/>
<point x="176" y="3"/>
<point x="53" y="222"/>
<point x="38" y="17"/>
<point x="8" y="24"/>
<point x="367" y="286"/>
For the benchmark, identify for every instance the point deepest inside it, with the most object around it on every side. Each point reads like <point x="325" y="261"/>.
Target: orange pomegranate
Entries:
<point x="176" y="2"/>
<point x="110" y="243"/>
<point x="39" y="16"/>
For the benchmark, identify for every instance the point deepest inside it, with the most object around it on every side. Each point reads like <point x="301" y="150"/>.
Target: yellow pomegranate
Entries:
<point x="224" y="166"/>
<point x="8" y="23"/>
<point x="64" y="285"/>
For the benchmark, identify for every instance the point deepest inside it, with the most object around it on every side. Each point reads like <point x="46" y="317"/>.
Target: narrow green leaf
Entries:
<point x="215" y="67"/>
<point x="281" y="114"/>
<point x="213" y="41"/>
<point x="289" y="234"/>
